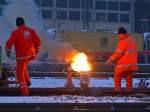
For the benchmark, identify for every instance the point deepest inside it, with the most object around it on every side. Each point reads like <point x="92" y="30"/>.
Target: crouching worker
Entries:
<point x="27" y="44"/>
<point x="125" y="59"/>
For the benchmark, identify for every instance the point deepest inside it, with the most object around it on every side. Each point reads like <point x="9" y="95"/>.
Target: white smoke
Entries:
<point x="31" y="13"/>
<point x="5" y="28"/>
<point x="26" y="9"/>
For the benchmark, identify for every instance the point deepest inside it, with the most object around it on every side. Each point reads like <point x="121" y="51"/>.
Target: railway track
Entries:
<point x="93" y="74"/>
<point x="92" y="91"/>
<point x="100" y="70"/>
<point x="75" y="107"/>
<point x="60" y="70"/>
<point x="50" y="70"/>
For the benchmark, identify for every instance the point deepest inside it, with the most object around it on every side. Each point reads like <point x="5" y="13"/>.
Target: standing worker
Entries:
<point x="125" y="59"/>
<point x="27" y="44"/>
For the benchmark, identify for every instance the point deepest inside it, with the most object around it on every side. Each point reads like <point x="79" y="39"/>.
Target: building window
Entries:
<point x="113" y="17"/>
<point x="1" y="11"/>
<point x="104" y="42"/>
<point x="47" y="14"/>
<point x="47" y="3"/>
<point x="87" y="4"/>
<point x="2" y="2"/>
<point x="100" y="17"/>
<point x="113" y="5"/>
<point x="62" y="3"/>
<point x="124" y="18"/>
<point x="61" y="14"/>
<point x="125" y="6"/>
<point x="38" y="2"/>
<point x="86" y="16"/>
<point x="148" y="45"/>
<point x="101" y="5"/>
<point x="74" y="15"/>
<point x="74" y="3"/>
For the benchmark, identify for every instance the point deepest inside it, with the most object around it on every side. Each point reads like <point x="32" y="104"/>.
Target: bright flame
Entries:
<point x="80" y="63"/>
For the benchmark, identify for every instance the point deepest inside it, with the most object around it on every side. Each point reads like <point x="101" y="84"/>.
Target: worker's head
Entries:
<point x="122" y="30"/>
<point x="19" y="21"/>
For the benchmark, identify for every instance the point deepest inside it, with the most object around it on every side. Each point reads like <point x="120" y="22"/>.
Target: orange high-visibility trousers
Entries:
<point x="26" y="73"/>
<point x="22" y="75"/>
<point x="118" y="76"/>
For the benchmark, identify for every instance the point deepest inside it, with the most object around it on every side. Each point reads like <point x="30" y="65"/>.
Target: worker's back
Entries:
<point x="24" y="40"/>
<point x="129" y="57"/>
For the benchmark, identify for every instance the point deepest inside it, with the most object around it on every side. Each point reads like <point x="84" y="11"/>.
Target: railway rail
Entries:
<point x="92" y="91"/>
<point x="60" y="70"/>
<point x="74" y="74"/>
<point x="75" y="107"/>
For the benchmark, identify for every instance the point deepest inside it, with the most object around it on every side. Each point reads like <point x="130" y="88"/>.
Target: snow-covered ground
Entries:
<point x="71" y="99"/>
<point x="54" y="82"/>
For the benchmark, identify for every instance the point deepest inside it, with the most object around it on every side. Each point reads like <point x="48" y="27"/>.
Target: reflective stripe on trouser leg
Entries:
<point x="20" y="76"/>
<point x="26" y="74"/>
<point x="20" y="71"/>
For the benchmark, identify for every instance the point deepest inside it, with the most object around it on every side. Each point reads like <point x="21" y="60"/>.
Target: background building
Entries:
<point x="97" y="41"/>
<point x="94" y="15"/>
<point x="142" y="16"/>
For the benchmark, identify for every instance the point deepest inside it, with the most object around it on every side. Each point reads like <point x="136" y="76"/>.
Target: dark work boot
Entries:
<point x="28" y="81"/>
<point x="24" y="89"/>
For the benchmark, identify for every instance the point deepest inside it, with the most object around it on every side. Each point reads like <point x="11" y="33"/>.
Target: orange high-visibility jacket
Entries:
<point x="125" y="56"/>
<point x="25" y="41"/>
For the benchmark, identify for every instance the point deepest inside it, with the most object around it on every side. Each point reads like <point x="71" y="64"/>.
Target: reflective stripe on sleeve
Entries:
<point x="128" y="65"/>
<point x="25" y="57"/>
<point x="120" y="51"/>
<point x="131" y="51"/>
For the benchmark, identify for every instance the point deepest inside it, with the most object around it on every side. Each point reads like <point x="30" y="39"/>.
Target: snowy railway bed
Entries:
<point x="96" y="91"/>
<point x="75" y="107"/>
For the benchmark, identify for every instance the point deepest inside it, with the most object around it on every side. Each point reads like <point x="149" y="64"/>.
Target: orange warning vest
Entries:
<point x="125" y="56"/>
<point x="25" y="41"/>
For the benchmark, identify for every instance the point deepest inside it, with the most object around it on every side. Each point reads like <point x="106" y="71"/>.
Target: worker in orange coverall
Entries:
<point x="27" y="44"/>
<point x="125" y="59"/>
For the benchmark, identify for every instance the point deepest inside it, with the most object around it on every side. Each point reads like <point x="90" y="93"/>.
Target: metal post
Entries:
<point x="0" y="62"/>
<point x="84" y="80"/>
<point x="147" y="36"/>
<point x="54" y="18"/>
<point x="132" y="7"/>
<point x="93" y="16"/>
<point x="86" y="15"/>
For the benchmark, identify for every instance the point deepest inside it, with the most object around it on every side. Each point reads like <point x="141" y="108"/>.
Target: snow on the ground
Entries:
<point x="70" y="99"/>
<point x="54" y="82"/>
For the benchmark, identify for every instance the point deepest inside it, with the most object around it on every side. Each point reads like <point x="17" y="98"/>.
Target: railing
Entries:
<point x="143" y="56"/>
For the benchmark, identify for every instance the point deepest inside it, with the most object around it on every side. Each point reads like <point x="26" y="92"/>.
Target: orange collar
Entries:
<point x="122" y="36"/>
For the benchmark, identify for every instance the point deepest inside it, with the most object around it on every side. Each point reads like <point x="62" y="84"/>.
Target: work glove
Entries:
<point x="8" y="52"/>
<point x="37" y="49"/>
<point x="109" y="61"/>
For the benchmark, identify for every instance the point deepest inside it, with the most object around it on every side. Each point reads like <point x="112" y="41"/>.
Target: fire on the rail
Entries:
<point x="80" y="64"/>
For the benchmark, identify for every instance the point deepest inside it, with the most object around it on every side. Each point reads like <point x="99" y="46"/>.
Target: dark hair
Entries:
<point x="122" y="30"/>
<point x="19" y="21"/>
